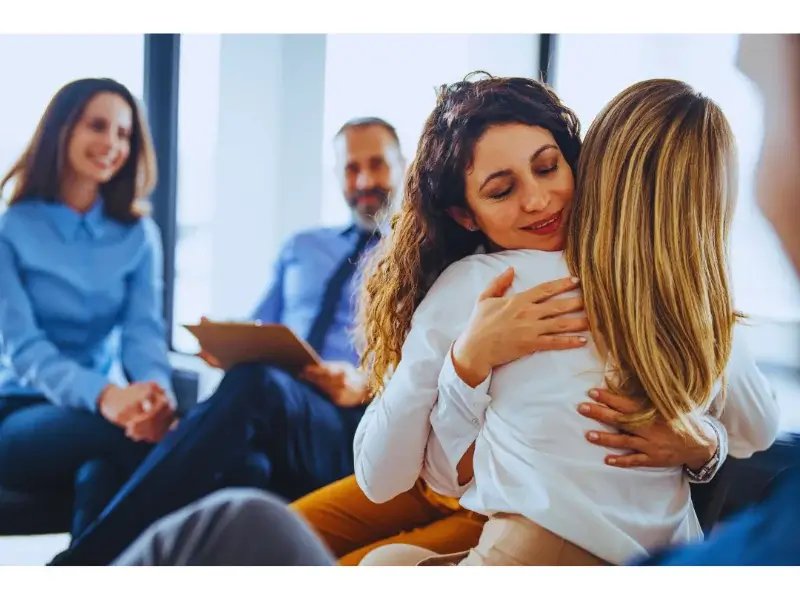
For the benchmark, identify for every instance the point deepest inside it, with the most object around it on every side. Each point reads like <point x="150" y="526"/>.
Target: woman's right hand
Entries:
<point x="504" y="328"/>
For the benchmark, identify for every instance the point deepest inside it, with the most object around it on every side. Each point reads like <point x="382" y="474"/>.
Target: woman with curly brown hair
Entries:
<point x="489" y="197"/>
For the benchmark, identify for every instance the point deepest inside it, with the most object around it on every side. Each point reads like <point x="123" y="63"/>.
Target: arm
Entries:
<point x="389" y="445"/>
<point x="456" y="421"/>
<point x="750" y="415"/>
<point x="25" y="348"/>
<point x="270" y="308"/>
<point x="143" y="342"/>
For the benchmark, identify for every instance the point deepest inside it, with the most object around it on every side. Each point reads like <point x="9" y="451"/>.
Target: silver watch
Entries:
<point x="706" y="473"/>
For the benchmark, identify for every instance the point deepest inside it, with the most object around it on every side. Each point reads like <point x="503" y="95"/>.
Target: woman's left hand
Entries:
<point x="655" y="445"/>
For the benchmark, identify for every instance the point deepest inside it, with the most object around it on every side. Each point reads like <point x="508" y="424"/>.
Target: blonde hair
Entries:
<point x="656" y="189"/>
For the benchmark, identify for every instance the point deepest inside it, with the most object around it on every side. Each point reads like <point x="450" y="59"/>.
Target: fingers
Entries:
<point x="627" y="461"/>
<point x="210" y="359"/>
<point x="565" y="325"/>
<point x="622" y="404"/>
<point x="560" y="342"/>
<point x="618" y="441"/>
<point x="600" y="413"/>
<point x="547" y="290"/>
<point x="312" y="374"/>
<point x="560" y="306"/>
<point x="151" y="427"/>
<point x="499" y="285"/>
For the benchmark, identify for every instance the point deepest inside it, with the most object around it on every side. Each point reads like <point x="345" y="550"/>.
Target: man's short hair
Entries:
<point x="361" y="122"/>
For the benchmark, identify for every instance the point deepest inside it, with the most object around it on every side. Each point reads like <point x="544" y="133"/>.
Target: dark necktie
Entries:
<point x="333" y="292"/>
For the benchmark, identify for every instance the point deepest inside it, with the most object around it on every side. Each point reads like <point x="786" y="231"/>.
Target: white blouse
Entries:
<point x="531" y="454"/>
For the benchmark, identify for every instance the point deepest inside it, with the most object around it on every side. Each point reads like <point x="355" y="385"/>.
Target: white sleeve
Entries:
<point x="390" y="442"/>
<point x="456" y="420"/>
<point x="750" y="415"/>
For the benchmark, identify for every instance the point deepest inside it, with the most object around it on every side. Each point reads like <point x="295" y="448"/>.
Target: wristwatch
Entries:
<point x="707" y="472"/>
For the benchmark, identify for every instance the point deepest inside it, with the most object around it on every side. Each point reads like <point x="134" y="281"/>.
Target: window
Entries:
<point x="395" y="77"/>
<point x="591" y="69"/>
<point x="34" y="67"/>
<point x="198" y="118"/>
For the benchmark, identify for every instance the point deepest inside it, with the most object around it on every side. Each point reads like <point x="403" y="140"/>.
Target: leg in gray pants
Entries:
<point x="234" y="527"/>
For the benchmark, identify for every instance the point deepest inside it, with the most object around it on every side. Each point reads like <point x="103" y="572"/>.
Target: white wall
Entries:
<point x="269" y="165"/>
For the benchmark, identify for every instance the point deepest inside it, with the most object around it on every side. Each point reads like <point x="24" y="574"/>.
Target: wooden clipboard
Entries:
<point x="235" y="343"/>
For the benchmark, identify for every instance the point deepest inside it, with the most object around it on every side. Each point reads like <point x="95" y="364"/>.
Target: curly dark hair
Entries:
<point x="425" y="240"/>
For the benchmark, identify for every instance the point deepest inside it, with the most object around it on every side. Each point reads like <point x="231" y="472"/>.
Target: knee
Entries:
<point x="244" y="502"/>
<point x="248" y="381"/>
<point x="252" y="512"/>
<point x="396" y="555"/>
<point x="15" y="437"/>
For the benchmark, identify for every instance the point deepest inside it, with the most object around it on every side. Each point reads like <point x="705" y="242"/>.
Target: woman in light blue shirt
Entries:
<point x="80" y="302"/>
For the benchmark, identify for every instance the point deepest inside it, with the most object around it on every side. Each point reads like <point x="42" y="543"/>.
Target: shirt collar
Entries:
<point x="354" y="229"/>
<point x="69" y="222"/>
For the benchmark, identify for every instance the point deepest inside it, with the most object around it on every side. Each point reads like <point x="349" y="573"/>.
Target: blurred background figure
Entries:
<point x="80" y="274"/>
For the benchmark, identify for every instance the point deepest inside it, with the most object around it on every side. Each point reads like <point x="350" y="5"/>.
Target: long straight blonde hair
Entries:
<point x="656" y="187"/>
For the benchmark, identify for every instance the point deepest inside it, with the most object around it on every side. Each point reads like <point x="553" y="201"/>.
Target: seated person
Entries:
<point x="80" y="301"/>
<point x="265" y="427"/>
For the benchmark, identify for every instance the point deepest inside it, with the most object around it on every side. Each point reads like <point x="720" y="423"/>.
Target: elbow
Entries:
<point x="763" y="439"/>
<point x="766" y="436"/>
<point x="757" y="439"/>
<point x="377" y="494"/>
<point x="380" y="486"/>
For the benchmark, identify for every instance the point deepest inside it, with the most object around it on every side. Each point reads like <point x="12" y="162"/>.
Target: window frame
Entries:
<point x="161" y="88"/>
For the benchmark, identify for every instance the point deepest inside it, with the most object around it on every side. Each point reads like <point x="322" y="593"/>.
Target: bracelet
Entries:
<point x="706" y="473"/>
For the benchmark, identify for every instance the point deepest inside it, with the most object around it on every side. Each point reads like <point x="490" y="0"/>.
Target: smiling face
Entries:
<point x="519" y="189"/>
<point x="370" y="169"/>
<point x="101" y="139"/>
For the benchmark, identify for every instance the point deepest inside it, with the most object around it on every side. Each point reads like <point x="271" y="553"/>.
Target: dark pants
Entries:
<point x="50" y="449"/>
<point x="767" y="534"/>
<point x="306" y="440"/>
<point x="229" y="528"/>
<point x="261" y="424"/>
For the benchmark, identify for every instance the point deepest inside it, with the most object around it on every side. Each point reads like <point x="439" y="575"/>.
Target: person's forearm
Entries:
<point x="701" y="454"/>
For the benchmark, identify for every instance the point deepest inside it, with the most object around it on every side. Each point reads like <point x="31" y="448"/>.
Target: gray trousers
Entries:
<point x="235" y="527"/>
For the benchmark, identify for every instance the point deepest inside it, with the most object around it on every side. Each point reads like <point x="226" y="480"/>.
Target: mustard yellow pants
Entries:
<point x="352" y="526"/>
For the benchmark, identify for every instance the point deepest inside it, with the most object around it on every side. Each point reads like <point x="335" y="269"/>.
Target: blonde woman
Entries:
<point x="646" y="234"/>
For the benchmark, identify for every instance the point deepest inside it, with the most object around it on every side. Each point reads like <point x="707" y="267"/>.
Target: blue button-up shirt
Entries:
<point x="80" y="296"/>
<point x="304" y="265"/>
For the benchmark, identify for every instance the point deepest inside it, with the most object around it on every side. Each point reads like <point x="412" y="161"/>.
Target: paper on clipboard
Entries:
<point x="235" y="343"/>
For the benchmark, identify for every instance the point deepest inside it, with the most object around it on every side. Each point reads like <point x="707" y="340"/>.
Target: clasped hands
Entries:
<point x="142" y="409"/>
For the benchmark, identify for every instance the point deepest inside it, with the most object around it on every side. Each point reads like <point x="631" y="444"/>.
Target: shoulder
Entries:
<point x="475" y="272"/>
<point x="143" y="233"/>
<point x="316" y="234"/>
<point x="20" y="215"/>
<point x="311" y="237"/>
<point x="455" y="291"/>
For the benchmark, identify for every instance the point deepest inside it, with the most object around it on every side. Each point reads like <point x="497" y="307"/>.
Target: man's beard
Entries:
<point x="378" y="193"/>
<point x="369" y="206"/>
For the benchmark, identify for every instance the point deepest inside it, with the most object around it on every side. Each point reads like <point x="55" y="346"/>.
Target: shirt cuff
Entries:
<point x="476" y="400"/>
<point x="88" y="387"/>
<point x="707" y="472"/>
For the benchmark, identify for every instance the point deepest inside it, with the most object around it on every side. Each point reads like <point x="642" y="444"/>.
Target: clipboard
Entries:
<point x="233" y="343"/>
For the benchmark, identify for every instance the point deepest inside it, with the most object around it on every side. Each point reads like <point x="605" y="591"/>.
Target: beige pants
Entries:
<point x="506" y="540"/>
